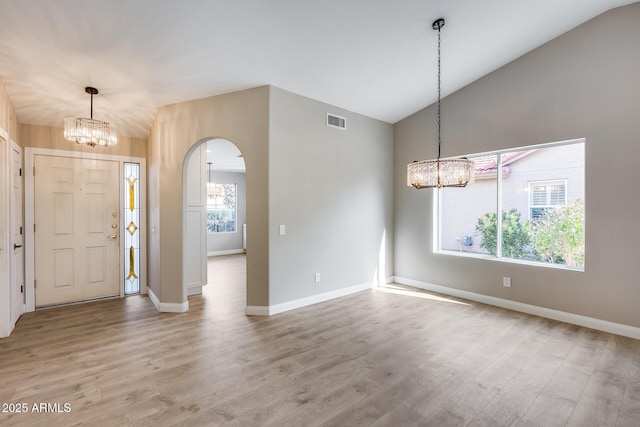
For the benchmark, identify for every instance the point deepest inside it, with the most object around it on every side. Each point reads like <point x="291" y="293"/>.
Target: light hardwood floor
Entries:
<point x="385" y="357"/>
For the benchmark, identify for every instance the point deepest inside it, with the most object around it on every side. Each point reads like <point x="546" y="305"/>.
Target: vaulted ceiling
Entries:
<point x="373" y="57"/>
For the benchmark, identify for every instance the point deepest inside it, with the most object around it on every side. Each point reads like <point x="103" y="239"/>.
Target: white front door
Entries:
<point x="17" y="239"/>
<point x="76" y="216"/>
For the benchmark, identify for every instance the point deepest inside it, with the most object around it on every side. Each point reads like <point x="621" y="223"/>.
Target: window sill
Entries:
<point x="510" y="260"/>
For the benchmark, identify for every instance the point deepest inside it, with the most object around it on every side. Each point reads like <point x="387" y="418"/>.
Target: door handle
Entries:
<point x="16" y="246"/>
<point x="112" y="236"/>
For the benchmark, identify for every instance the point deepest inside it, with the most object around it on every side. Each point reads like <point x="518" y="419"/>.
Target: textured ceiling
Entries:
<point x="374" y="57"/>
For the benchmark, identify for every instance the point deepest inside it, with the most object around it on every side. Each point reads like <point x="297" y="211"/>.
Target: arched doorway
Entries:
<point x="214" y="220"/>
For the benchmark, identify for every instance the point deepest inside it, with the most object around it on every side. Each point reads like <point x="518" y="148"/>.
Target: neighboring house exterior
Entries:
<point x="533" y="180"/>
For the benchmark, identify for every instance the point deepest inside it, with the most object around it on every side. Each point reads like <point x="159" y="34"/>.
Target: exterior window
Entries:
<point x="221" y="208"/>
<point x="544" y="195"/>
<point x="526" y="205"/>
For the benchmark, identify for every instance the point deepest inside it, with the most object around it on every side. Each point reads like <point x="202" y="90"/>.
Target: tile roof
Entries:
<point x="487" y="165"/>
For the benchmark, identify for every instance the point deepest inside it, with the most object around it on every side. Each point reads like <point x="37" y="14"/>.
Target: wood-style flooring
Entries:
<point x="387" y="357"/>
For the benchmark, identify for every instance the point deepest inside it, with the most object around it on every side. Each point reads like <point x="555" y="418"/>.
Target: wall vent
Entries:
<point x="336" y="121"/>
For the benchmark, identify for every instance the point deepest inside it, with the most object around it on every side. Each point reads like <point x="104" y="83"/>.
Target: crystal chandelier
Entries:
<point x="213" y="190"/>
<point x="89" y="131"/>
<point x="440" y="173"/>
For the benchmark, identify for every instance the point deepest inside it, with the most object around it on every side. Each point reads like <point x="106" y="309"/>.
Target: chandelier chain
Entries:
<point x="440" y="173"/>
<point x="439" y="93"/>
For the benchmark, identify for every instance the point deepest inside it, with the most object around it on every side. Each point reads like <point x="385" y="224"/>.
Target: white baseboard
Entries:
<point x="230" y="252"/>
<point x="252" y="310"/>
<point x="167" y="307"/>
<point x="575" y="319"/>
<point x="194" y="290"/>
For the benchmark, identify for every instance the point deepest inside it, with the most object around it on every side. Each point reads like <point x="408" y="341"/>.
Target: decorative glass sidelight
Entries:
<point x="131" y="215"/>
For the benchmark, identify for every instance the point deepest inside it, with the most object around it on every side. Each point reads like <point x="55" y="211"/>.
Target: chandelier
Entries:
<point x="213" y="190"/>
<point x="440" y="173"/>
<point x="89" y="131"/>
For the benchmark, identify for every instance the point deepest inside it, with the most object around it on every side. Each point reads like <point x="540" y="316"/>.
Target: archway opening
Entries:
<point x="215" y="217"/>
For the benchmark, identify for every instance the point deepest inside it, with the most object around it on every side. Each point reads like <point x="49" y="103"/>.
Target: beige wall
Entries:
<point x="8" y="118"/>
<point x="240" y="117"/>
<point x="53" y="138"/>
<point x="582" y="84"/>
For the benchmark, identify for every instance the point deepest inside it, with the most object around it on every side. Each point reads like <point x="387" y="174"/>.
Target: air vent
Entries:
<point x="336" y="121"/>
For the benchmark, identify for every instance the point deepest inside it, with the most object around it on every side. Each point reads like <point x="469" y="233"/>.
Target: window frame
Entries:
<point x="436" y="213"/>
<point x="548" y="205"/>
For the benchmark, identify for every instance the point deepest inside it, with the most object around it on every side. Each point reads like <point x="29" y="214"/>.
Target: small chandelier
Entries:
<point x="213" y="190"/>
<point x="89" y="131"/>
<point x="440" y="173"/>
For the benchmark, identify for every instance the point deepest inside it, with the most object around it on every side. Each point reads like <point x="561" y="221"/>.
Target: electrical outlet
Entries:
<point x="506" y="282"/>
<point x="317" y="278"/>
<point x="282" y="230"/>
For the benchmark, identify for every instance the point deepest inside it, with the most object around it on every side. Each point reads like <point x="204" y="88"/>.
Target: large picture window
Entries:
<point x="538" y="192"/>
<point x="221" y="208"/>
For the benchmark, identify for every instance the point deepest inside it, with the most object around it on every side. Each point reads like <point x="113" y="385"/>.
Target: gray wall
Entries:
<point x="220" y="242"/>
<point x="582" y="84"/>
<point x="333" y="191"/>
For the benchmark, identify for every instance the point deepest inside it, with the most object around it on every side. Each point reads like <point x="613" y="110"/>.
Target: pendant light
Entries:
<point x="89" y="131"/>
<point x="440" y="173"/>
<point x="213" y="190"/>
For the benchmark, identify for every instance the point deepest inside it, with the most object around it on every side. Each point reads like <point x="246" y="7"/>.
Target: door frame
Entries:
<point x="5" y="271"/>
<point x="29" y="204"/>
<point x="13" y="221"/>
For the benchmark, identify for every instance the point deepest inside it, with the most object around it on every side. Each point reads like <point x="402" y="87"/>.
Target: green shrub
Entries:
<point x="515" y="235"/>
<point x="558" y="235"/>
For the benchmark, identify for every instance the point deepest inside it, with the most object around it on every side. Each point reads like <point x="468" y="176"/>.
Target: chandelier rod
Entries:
<point x="438" y="25"/>
<point x="91" y="91"/>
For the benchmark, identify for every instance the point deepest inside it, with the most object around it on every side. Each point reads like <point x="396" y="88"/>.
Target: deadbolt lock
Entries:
<point x="114" y="225"/>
